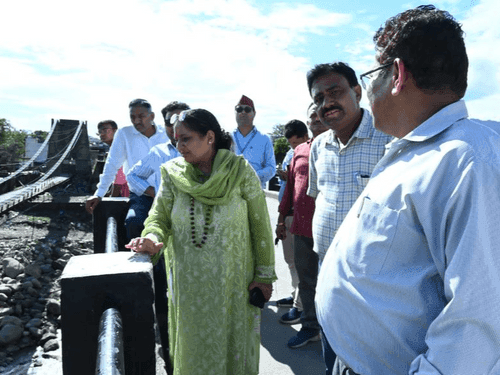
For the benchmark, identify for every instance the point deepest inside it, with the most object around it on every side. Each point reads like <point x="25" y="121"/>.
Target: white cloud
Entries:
<point x="482" y="37"/>
<point x="87" y="60"/>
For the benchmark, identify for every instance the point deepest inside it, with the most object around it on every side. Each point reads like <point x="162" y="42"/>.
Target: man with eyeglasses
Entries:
<point x="252" y="144"/>
<point x="106" y="131"/>
<point x="130" y="145"/>
<point x="410" y="284"/>
<point x="341" y="159"/>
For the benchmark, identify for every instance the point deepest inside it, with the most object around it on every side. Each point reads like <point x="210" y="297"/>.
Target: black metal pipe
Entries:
<point x="111" y="236"/>
<point x="110" y="357"/>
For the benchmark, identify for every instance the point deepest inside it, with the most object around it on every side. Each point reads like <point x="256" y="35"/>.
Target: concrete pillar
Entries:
<point x="89" y="285"/>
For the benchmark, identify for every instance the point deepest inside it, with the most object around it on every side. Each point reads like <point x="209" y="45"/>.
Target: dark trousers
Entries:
<point x="138" y="209"/>
<point x="328" y="355"/>
<point x="306" y="264"/>
<point x="341" y="368"/>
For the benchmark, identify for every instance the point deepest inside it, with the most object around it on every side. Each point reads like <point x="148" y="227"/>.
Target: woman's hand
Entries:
<point x="144" y="245"/>
<point x="267" y="289"/>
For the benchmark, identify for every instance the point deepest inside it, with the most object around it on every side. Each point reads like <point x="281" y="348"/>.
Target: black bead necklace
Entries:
<point x="208" y="217"/>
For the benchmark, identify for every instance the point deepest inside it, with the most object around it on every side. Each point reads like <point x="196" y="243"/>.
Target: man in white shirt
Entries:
<point x="131" y="144"/>
<point x="410" y="283"/>
<point x="252" y="144"/>
<point x="149" y="167"/>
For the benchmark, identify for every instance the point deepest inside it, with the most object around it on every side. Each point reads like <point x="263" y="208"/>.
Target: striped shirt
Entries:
<point x="338" y="174"/>
<point x="139" y="177"/>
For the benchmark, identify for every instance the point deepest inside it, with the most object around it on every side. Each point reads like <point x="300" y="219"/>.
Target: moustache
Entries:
<point x="330" y="109"/>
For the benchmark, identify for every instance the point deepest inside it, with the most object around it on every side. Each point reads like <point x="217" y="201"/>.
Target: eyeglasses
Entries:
<point x="245" y="108"/>
<point x="178" y="117"/>
<point x="102" y="130"/>
<point x="369" y="76"/>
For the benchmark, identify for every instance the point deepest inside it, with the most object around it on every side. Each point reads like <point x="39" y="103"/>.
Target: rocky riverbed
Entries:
<point x="36" y="242"/>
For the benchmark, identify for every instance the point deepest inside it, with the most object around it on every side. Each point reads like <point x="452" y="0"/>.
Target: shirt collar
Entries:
<point x="158" y="130"/>
<point x="364" y="130"/>
<point x="237" y="131"/>
<point x="438" y="122"/>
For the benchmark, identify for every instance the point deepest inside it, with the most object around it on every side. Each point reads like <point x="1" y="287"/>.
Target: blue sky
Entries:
<point x="87" y="60"/>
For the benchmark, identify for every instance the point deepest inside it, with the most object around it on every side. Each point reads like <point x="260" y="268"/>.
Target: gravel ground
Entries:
<point x="36" y="241"/>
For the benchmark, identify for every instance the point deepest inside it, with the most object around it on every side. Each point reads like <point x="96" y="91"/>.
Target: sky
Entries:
<point x="87" y="60"/>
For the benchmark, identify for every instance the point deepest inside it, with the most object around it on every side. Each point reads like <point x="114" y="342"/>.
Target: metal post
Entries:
<point x="111" y="236"/>
<point x="110" y="357"/>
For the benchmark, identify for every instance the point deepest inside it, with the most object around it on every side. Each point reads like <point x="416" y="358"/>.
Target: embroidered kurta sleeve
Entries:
<point x="159" y="221"/>
<point x="260" y="227"/>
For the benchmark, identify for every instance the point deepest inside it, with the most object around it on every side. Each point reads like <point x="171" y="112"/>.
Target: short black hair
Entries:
<point x="295" y="127"/>
<point x="336" y="67"/>
<point x="430" y="43"/>
<point x="140" y="103"/>
<point x="172" y="106"/>
<point x="110" y="122"/>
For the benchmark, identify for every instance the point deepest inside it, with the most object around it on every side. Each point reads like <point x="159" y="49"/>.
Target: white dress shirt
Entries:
<point x="128" y="147"/>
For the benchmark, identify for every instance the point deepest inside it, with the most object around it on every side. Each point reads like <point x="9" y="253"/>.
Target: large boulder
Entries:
<point x="12" y="267"/>
<point x="10" y="333"/>
<point x="33" y="270"/>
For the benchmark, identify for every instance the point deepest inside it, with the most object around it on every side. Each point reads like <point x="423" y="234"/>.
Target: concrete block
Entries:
<point x="89" y="285"/>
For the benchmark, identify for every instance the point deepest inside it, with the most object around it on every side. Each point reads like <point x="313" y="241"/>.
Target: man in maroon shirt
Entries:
<point x="306" y="260"/>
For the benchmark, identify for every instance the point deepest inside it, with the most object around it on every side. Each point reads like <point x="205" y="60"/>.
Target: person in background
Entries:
<point x="106" y="130"/>
<point x="148" y="168"/>
<point x="296" y="134"/>
<point x="210" y="224"/>
<point x="171" y="109"/>
<point x="131" y="144"/>
<point x="306" y="260"/>
<point x="252" y="144"/>
<point x="341" y="159"/>
<point x="410" y="284"/>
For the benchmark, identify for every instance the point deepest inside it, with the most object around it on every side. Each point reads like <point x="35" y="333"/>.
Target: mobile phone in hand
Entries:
<point x="257" y="298"/>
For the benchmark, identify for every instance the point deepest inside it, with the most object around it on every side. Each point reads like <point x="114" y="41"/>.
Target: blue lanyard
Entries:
<point x="254" y="131"/>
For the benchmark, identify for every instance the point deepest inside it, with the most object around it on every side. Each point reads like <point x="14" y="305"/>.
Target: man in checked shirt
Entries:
<point x="342" y="158"/>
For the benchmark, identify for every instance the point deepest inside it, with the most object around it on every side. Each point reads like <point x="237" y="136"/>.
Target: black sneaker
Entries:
<point x="291" y="317"/>
<point x="303" y="337"/>
<point x="285" y="302"/>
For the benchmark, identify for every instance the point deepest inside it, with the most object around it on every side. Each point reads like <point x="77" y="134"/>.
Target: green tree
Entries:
<point x="12" y="144"/>
<point x="281" y="147"/>
<point x="277" y="132"/>
<point x="40" y="135"/>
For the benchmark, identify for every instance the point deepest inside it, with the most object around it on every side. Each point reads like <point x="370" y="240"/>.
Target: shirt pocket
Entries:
<point x="362" y="180"/>
<point x="375" y="229"/>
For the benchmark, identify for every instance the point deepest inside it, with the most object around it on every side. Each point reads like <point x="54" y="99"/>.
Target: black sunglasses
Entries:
<point x="240" y="109"/>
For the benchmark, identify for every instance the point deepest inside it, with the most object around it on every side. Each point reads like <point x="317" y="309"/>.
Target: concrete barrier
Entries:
<point x="89" y="285"/>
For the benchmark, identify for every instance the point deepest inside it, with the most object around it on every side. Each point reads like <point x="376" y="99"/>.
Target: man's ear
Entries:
<point x="399" y="77"/>
<point x="359" y="92"/>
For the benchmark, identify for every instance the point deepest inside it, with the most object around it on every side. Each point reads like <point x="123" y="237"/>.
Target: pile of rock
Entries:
<point x="30" y="294"/>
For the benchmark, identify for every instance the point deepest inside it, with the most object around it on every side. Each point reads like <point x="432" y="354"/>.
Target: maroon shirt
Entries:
<point x="295" y="192"/>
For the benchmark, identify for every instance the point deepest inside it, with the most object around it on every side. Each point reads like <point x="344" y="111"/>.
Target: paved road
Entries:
<point x="275" y="356"/>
